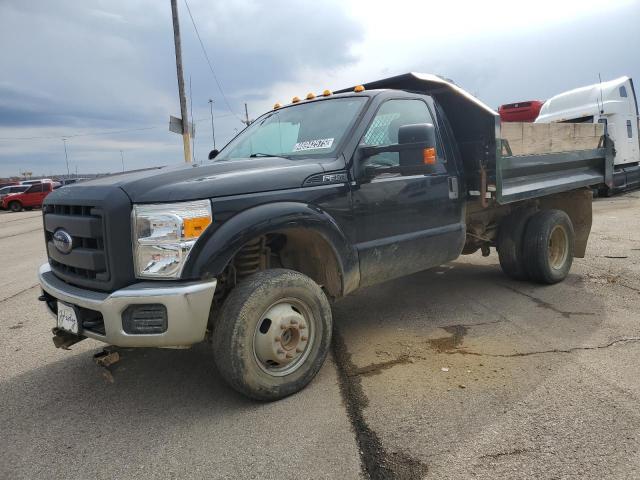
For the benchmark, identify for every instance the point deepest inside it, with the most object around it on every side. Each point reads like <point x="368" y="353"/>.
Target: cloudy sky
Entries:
<point x="102" y="72"/>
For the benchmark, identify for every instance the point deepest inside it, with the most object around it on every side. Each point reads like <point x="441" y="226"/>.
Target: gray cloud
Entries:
<point x="74" y="67"/>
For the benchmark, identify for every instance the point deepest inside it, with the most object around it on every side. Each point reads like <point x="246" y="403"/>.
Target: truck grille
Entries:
<point x="87" y="259"/>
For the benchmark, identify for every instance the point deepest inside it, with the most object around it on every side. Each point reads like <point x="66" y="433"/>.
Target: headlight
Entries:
<point x="164" y="234"/>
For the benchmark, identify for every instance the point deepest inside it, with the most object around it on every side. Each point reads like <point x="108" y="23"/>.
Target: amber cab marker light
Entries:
<point x="326" y="93"/>
<point x="429" y="156"/>
<point x="359" y="88"/>
<point x="277" y="106"/>
<point x="310" y="96"/>
<point x="295" y="99"/>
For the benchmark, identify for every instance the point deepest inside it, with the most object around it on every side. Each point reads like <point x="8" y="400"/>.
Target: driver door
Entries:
<point x="404" y="222"/>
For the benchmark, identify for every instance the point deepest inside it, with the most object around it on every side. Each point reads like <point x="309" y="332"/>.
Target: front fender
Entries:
<point x="217" y="246"/>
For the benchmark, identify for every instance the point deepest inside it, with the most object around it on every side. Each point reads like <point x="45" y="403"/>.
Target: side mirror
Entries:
<point x="213" y="153"/>
<point x="415" y="148"/>
<point x="423" y="136"/>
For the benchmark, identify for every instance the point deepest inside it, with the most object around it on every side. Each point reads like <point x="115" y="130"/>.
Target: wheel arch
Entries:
<point x="316" y="247"/>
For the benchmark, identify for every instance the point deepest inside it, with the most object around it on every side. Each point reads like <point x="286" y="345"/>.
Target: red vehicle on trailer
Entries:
<point x="520" y="112"/>
<point x="33" y="197"/>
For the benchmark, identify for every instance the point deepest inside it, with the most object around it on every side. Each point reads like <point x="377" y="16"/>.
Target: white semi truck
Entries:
<point x="613" y="104"/>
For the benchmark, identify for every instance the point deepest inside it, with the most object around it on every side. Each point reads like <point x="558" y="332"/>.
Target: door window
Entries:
<point x="384" y="128"/>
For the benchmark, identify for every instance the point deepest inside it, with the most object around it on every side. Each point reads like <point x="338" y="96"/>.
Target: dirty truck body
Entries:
<point x="312" y="201"/>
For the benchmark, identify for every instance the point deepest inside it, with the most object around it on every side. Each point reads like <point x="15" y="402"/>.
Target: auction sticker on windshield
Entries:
<point x="313" y="144"/>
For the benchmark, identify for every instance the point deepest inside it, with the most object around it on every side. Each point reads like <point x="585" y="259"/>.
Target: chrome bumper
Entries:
<point x="188" y="306"/>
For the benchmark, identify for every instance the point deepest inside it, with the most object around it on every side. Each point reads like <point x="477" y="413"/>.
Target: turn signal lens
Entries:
<point x="429" y="156"/>
<point x="359" y="88"/>
<point x="193" y="227"/>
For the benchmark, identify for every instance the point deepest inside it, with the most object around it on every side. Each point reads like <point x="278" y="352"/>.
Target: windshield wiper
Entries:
<point x="259" y="154"/>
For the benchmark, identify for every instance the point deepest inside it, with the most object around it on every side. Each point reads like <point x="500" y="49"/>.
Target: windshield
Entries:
<point x="307" y="129"/>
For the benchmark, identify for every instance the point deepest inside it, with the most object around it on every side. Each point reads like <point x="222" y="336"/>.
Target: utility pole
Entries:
<point x="66" y="157"/>
<point x="122" y="158"/>
<point x="183" y="101"/>
<point x="213" y="132"/>
<point x="246" y="115"/>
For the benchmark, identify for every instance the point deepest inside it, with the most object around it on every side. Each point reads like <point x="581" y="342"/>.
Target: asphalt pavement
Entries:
<point x="453" y="373"/>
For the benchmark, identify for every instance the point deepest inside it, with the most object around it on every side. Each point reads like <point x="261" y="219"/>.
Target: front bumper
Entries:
<point x="188" y="306"/>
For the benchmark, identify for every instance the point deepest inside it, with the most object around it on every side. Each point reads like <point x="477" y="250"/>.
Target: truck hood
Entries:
<point x="214" y="179"/>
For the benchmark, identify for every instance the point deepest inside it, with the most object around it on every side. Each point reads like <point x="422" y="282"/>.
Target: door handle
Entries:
<point x="453" y="187"/>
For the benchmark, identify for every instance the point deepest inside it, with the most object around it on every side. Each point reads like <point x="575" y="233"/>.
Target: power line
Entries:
<point x="206" y="56"/>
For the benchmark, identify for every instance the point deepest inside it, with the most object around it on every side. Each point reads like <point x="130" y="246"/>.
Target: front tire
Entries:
<point x="15" y="206"/>
<point x="273" y="334"/>
<point x="548" y="246"/>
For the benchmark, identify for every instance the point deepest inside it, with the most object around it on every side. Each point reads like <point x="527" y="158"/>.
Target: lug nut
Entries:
<point x="277" y="339"/>
<point x="289" y="355"/>
<point x="302" y="326"/>
<point x="293" y="321"/>
<point x="298" y="350"/>
<point x="282" y="327"/>
<point x="280" y="351"/>
<point x="304" y="339"/>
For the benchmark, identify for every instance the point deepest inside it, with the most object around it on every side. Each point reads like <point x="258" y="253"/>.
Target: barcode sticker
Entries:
<point x="313" y="144"/>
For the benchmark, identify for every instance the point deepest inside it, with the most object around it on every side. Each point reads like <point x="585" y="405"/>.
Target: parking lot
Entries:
<point x="454" y="373"/>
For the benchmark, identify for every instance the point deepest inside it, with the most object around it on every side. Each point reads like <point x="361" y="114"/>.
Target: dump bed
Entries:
<point x="542" y="159"/>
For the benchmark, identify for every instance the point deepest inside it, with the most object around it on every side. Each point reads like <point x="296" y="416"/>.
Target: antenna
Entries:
<point x="601" y="99"/>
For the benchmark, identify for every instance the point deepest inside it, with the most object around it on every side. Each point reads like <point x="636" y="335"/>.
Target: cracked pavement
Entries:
<point x="454" y="373"/>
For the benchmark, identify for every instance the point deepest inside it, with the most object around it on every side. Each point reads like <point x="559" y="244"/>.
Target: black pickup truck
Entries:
<point x="312" y="201"/>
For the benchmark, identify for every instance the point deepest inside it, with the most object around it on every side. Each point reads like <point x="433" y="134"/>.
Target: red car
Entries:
<point x="33" y="197"/>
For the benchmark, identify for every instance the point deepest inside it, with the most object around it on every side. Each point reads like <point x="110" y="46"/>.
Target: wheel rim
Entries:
<point x="283" y="337"/>
<point x="558" y="247"/>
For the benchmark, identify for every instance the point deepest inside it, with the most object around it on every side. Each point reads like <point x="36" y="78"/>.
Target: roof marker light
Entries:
<point x="326" y="93"/>
<point x="359" y="88"/>
<point x="310" y="96"/>
<point x="277" y="106"/>
<point x="295" y="99"/>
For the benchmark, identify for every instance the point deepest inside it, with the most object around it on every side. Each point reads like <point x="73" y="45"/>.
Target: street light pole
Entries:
<point x="213" y="132"/>
<point x="66" y="157"/>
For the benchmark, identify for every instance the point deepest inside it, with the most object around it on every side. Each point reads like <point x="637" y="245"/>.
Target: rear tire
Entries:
<point x="273" y="334"/>
<point x="510" y="244"/>
<point x="548" y="246"/>
<point x="15" y="206"/>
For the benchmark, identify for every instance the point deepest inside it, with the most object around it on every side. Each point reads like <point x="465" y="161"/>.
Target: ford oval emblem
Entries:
<point x="62" y="241"/>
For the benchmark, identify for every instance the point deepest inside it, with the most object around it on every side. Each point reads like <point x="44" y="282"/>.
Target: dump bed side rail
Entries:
<point x="522" y="177"/>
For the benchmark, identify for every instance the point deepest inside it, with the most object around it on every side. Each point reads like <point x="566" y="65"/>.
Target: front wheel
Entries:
<point x="273" y="334"/>
<point x="15" y="206"/>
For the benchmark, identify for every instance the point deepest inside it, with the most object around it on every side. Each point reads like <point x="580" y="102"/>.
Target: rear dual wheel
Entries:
<point x="273" y="334"/>
<point x="548" y="246"/>
<point x="537" y="247"/>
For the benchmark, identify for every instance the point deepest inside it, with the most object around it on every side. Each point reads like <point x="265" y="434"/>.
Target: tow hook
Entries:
<point x="63" y="339"/>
